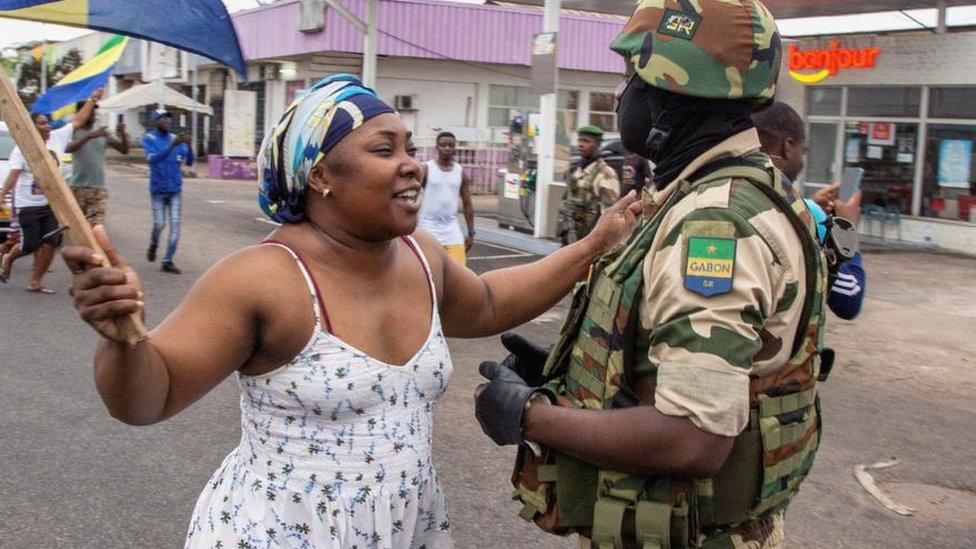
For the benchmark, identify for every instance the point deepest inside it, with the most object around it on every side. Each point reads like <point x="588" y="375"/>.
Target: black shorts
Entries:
<point x="35" y="222"/>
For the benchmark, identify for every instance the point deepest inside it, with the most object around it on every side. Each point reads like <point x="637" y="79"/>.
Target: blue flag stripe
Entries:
<point x="197" y="26"/>
<point x="63" y="95"/>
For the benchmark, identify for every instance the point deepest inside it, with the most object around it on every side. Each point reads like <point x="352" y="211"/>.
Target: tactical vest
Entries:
<point x="599" y="343"/>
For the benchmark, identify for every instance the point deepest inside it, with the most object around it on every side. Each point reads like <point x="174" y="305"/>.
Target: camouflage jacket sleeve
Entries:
<point x="608" y="179"/>
<point x="718" y="278"/>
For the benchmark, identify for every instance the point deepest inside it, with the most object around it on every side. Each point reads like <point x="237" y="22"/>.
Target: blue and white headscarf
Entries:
<point x="309" y="129"/>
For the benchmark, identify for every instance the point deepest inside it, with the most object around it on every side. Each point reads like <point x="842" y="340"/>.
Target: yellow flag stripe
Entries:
<point x="99" y="64"/>
<point x="65" y="12"/>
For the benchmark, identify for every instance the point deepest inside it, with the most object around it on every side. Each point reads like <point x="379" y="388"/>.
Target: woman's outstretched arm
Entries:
<point x="476" y="306"/>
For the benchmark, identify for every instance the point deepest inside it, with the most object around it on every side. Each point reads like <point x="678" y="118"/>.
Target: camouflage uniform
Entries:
<point x="705" y="348"/>
<point x="717" y="302"/>
<point x="585" y="200"/>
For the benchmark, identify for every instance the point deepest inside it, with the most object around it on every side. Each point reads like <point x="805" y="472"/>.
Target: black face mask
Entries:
<point x="637" y="112"/>
<point x="673" y="130"/>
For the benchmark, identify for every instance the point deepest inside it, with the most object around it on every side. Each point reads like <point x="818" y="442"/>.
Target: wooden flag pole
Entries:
<point x="47" y="174"/>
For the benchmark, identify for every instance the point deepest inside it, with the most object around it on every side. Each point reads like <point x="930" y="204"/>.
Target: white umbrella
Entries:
<point x="155" y="93"/>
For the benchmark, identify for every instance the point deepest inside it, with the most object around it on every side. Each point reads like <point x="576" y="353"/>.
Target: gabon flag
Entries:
<point x="79" y="84"/>
<point x="198" y="26"/>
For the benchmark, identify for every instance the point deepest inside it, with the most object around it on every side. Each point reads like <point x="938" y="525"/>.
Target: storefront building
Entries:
<point x="902" y="107"/>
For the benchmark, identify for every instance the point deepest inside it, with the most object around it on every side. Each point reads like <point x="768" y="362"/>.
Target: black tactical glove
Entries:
<point x="500" y="403"/>
<point x="526" y="358"/>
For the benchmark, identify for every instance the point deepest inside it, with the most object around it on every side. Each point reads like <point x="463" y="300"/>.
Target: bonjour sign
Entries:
<point x="815" y="65"/>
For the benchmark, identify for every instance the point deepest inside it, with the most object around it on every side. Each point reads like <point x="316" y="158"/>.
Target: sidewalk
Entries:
<point x="486" y="225"/>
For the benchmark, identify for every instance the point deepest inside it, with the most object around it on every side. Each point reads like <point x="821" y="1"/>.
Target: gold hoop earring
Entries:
<point x="325" y="192"/>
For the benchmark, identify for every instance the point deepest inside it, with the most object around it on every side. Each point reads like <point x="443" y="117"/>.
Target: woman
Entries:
<point x="34" y="213"/>
<point x="336" y="326"/>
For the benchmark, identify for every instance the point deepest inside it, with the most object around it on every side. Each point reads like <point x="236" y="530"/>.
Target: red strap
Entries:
<point x="315" y="284"/>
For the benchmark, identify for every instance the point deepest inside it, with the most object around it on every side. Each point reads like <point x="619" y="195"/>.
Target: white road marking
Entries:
<point x="216" y="202"/>
<point x="268" y="221"/>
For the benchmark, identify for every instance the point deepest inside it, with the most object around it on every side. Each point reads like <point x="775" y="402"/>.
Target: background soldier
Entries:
<point x="686" y="377"/>
<point x="593" y="186"/>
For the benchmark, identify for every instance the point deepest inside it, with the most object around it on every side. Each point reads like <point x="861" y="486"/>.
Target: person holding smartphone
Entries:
<point x="87" y="180"/>
<point x="166" y="154"/>
<point x="783" y="137"/>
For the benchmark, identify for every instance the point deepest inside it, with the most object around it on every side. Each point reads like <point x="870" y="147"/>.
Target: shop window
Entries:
<point x="884" y="101"/>
<point x="821" y="144"/>
<point x="602" y="112"/>
<point x="823" y="101"/>
<point x="952" y="102"/>
<point x="568" y="109"/>
<point x="502" y="100"/>
<point x="886" y="151"/>
<point x="948" y="182"/>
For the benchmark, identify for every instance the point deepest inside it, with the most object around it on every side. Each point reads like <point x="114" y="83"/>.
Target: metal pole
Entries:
<point x="547" y="135"/>
<point x="940" y="6"/>
<point x="193" y="113"/>
<point x="370" y="44"/>
<point x="43" y="70"/>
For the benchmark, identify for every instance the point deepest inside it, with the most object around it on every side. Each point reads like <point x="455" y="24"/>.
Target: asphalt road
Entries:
<point x="73" y="477"/>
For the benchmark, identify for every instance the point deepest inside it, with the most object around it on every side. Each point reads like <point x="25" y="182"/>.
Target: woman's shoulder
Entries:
<point x="253" y="270"/>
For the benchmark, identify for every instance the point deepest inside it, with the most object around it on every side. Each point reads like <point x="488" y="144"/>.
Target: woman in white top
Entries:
<point x="34" y="212"/>
<point x="336" y="328"/>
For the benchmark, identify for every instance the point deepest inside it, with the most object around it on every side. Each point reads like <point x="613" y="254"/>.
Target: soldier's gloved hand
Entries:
<point x="500" y="403"/>
<point x="526" y="358"/>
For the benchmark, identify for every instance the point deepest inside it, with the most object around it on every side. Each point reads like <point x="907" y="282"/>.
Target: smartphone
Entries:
<point x="850" y="183"/>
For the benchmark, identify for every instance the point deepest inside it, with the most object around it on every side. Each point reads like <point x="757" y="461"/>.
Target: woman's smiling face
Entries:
<point x="374" y="183"/>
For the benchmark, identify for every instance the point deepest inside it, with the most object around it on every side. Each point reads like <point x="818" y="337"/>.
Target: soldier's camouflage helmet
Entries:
<point x="715" y="49"/>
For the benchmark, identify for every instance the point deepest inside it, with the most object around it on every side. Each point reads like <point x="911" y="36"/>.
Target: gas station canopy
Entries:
<point x="781" y="8"/>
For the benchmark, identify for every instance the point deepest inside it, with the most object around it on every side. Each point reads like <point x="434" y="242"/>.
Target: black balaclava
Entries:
<point x="673" y="130"/>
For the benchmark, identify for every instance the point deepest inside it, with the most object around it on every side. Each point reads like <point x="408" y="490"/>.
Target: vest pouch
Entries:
<point x="735" y="488"/>
<point x="790" y="430"/>
<point x="533" y="481"/>
<point x="576" y="482"/>
<point x="641" y="524"/>
<point x="542" y="481"/>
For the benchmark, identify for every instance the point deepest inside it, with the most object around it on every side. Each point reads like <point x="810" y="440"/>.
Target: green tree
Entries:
<point x="29" y="85"/>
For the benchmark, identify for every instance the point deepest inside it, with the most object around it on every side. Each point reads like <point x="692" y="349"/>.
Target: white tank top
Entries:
<point x="438" y="212"/>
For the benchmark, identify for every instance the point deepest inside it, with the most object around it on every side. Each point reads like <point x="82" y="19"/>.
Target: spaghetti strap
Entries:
<point x="321" y="314"/>
<point x="415" y="248"/>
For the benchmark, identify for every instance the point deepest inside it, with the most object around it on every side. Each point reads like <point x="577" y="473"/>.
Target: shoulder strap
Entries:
<point x="763" y="176"/>
<point x="811" y="251"/>
<point x="321" y="314"/>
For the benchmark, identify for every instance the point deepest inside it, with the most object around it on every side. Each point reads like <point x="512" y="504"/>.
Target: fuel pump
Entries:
<point x="516" y="196"/>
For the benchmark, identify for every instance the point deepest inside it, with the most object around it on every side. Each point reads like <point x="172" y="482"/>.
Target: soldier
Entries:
<point x="679" y="405"/>
<point x="592" y="186"/>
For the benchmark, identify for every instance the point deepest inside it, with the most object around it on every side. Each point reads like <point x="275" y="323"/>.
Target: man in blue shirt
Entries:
<point x="166" y="154"/>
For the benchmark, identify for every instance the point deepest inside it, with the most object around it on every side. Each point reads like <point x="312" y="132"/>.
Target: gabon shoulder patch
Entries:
<point x="710" y="258"/>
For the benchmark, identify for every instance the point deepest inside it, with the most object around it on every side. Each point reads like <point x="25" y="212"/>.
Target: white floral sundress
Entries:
<point x="335" y="451"/>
